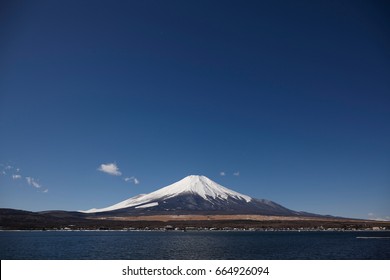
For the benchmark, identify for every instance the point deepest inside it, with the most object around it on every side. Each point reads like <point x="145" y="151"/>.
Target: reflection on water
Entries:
<point x="194" y="245"/>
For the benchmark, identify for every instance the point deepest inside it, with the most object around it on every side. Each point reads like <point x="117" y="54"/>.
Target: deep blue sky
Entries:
<point x="293" y="95"/>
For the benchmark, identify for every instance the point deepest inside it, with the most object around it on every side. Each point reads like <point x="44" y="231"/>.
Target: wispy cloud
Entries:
<point x="110" y="168"/>
<point x="222" y="173"/>
<point x="32" y="182"/>
<point x="237" y="173"/>
<point x="9" y="169"/>
<point x="13" y="172"/>
<point x="132" y="179"/>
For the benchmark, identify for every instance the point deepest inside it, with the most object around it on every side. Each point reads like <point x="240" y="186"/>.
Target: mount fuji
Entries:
<point x="194" y="194"/>
<point x="194" y="202"/>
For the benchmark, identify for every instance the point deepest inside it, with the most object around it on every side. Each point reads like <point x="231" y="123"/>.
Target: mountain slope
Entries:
<point x="193" y="195"/>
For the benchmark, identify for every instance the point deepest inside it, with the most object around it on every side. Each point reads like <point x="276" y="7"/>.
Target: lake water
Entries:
<point x="117" y="245"/>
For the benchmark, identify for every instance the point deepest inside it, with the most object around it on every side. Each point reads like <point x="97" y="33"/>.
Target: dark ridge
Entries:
<point x="11" y="219"/>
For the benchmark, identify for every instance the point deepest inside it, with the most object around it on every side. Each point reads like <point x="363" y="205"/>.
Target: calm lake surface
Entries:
<point x="117" y="245"/>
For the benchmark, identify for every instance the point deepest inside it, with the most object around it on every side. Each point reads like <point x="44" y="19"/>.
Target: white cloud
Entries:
<point x="14" y="173"/>
<point x="32" y="182"/>
<point x="236" y="173"/>
<point x="132" y="179"/>
<point x="110" y="168"/>
<point x="8" y="169"/>
<point x="222" y="173"/>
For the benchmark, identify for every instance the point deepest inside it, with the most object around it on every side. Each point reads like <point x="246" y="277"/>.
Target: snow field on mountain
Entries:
<point x="194" y="184"/>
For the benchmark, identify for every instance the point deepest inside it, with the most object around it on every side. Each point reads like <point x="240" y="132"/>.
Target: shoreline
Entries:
<point x="194" y="230"/>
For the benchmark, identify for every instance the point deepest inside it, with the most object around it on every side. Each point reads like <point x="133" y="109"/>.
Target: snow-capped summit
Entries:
<point x="193" y="194"/>
<point x="202" y="186"/>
